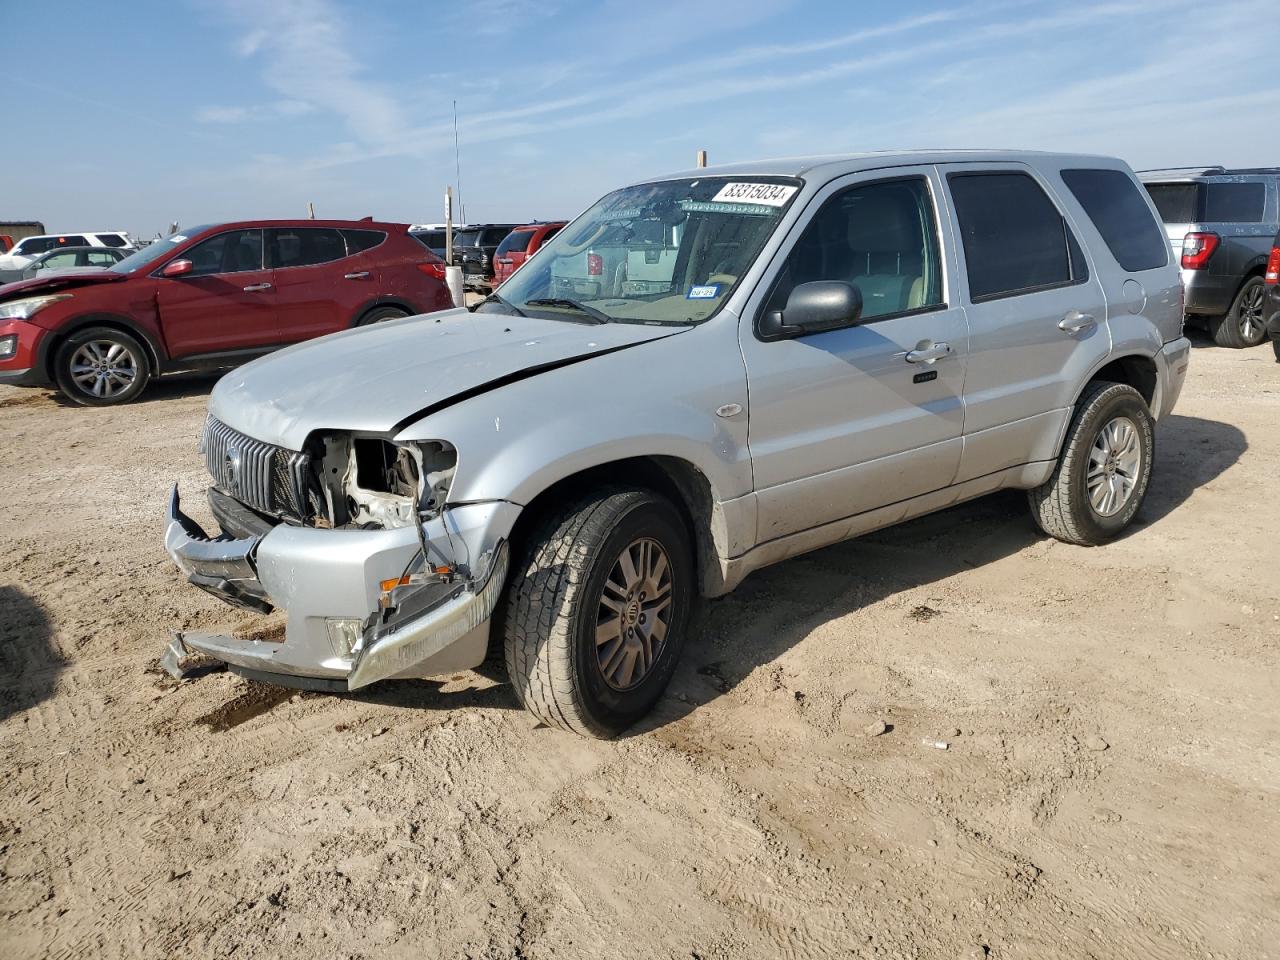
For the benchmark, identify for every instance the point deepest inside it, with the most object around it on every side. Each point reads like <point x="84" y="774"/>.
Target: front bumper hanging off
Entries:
<point x="328" y="582"/>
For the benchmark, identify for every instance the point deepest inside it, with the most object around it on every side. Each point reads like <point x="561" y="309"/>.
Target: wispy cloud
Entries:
<point x="266" y="111"/>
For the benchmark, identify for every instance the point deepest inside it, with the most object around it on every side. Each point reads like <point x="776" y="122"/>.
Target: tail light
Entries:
<point x="1273" y="265"/>
<point x="595" y="265"/>
<point x="433" y="269"/>
<point x="1197" y="248"/>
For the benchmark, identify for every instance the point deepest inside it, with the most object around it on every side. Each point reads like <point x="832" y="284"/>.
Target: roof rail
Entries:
<point x="1195" y="171"/>
<point x="1244" y="170"/>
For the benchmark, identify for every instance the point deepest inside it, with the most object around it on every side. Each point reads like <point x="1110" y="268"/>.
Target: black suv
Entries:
<point x="474" y="247"/>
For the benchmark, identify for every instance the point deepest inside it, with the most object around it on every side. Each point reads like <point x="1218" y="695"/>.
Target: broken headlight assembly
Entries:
<point x="370" y="483"/>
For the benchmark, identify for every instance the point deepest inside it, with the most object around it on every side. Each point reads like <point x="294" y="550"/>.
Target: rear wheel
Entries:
<point x="101" y="366"/>
<point x="1275" y="347"/>
<point x="595" y="615"/>
<point x="1243" y="325"/>
<point x="1102" y="475"/>
<point x="381" y="315"/>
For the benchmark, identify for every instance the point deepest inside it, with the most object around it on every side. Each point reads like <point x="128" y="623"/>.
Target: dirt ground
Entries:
<point x="1110" y="785"/>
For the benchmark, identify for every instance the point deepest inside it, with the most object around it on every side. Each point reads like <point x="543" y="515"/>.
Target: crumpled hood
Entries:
<point x="60" y="280"/>
<point x="373" y="378"/>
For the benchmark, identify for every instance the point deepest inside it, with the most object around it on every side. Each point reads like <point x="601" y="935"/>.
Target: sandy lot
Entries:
<point x="1111" y="786"/>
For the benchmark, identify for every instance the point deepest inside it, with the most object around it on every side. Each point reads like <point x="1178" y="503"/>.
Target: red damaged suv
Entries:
<point x="209" y="298"/>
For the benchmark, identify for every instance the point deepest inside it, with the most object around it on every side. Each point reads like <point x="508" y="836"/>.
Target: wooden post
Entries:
<point x="311" y="210"/>
<point x="702" y="158"/>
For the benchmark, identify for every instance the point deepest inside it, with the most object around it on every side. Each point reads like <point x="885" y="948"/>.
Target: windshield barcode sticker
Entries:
<point x="767" y="194"/>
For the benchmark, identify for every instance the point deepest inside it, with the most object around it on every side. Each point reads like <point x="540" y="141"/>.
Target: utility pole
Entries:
<point x="311" y="210"/>
<point x="457" y="163"/>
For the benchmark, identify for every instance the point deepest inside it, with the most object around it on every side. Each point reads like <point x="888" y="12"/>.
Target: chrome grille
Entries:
<point x="268" y="478"/>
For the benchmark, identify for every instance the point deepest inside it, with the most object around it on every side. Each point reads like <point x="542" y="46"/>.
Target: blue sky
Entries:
<point x="130" y="115"/>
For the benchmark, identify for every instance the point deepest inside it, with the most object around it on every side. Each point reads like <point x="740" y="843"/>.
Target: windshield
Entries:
<point x="668" y="252"/>
<point x="141" y="259"/>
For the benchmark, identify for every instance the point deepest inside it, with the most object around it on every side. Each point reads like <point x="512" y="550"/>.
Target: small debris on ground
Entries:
<point x="1096" y="743"/>
<point x="924" y="613"/>
<point x="936" y="744"/>
<point x="875" y="728"/>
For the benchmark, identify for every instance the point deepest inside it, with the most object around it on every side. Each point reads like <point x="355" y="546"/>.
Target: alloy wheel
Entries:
<point x="1251" y="312"/>
<point x="634" y="614"/>
<point x="1114" y="463"/>
<point x="104" y="368"/>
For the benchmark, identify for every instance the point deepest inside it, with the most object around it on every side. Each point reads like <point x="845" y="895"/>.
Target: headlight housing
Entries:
<point x="28" y="307"/>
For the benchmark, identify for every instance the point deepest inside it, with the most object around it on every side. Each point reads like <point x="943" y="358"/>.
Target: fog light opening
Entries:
<point x="344" y="635"/>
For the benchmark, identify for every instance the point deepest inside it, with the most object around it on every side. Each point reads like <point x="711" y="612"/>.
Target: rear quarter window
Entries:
<point x="1234" y="202"/>
<point x="1176" y="202"/>
<point x="358" y="241"/>
<point x="111" y="239"/>
<point x="1113" y="203"/>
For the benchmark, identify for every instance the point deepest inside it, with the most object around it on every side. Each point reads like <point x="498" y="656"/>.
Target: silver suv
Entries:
<point x="1220" y="223"/>
<point x="820" y="348"/>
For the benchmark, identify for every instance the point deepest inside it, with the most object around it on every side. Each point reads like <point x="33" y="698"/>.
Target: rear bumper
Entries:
<point x="328" y="583"/>
<point x="1171" y="373"/>
<point x="1207" y="293"/>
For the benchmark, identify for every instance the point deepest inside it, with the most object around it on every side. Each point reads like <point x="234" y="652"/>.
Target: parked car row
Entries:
<point x="702" y="375"/>
<point x="1220" y="223"/>
<point x="209" y="298"/>
<point x="22" y="253"/>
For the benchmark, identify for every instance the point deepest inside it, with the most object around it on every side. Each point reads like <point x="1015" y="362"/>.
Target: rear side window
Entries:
<point x="1113" y="203"/>
<point x="358" y="241"/>
<point x="492" y="236"/>
<point x="111" y="239"/>
<point x="1015" y="240"/>
<point x="1234" y="202"/>
<point x="34" y="245"/>
<point x="517" y="241"/>
<point x="70" y="240"/>
<point x="1177" y="202"/>
<point x="305" y="246"/>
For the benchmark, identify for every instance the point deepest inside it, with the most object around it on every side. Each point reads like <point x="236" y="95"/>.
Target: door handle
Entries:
<point x="928" y="354"/>
<point x="256" y="287"/>
<point x="356" y="276"/>
<point x="1075" y="322"/>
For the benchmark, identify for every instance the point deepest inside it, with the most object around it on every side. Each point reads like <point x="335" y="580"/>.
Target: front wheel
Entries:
<point x="1243" y="325"/>
<point x="101" y="366"/>
<point x="596" y="613"/>
<point x="1104" y="469"/>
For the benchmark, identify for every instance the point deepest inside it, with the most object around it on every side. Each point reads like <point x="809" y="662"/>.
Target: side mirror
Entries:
<point x="177" y="268"/>
<point x="814" y="307"/>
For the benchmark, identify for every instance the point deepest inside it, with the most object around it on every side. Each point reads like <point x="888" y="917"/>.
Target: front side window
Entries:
<point x="305" y="246"/>
<point x="668" y="252"/>
<point x="238" y="251"/>
<point x="1113" y="203"/>
<point x="1015" y="239"/>
<point x="879" y="237"/>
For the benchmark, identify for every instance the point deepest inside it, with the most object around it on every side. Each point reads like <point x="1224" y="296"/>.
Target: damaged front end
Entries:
<point x="354" y="538"/>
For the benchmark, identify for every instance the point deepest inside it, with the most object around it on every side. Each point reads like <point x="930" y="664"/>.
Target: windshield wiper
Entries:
<point x="494" y="298"/>
<point x="598" y="316"/>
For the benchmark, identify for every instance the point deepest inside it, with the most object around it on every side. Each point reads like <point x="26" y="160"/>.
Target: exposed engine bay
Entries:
<point x="370" y="482"/>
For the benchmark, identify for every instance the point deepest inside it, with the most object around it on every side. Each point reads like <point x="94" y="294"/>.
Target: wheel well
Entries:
<point x="114" y="323"/>
<point x="398" y="304"/>
<point x="1257" y="270"/>
<point x="1138" y="372"/>
<point x="679" y="481"/>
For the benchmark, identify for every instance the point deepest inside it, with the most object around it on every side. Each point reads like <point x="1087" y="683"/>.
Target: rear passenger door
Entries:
<point x="1037" y="318"/>
<point x="312" y="295"/>
<point x="845" y="421"/>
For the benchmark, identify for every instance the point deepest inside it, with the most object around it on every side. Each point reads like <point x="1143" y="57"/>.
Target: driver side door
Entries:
<point x="845" y="421"/>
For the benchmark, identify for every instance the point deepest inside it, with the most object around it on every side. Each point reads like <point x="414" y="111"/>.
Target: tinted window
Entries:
<point x="1117" y="209"/>
<point x="236" y="252"/>
<point x="879" y="236"/>
<point x="493" y="236"/>
<point x="516" y="241"/>
<point x="1177" y="202"/>
<point x="111" y="240"/>
<point x="359" y="241"/>
<point x="1234" y="202"/>
<point x="466" y="238"/>
<point x="70" y="240"/>
<point x="1015" y="240"/>
<point x="304" y="246"/>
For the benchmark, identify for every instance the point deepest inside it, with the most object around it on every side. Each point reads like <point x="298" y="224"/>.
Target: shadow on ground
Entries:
<point x="166" y="388"/>
<point x="29" y="662"/>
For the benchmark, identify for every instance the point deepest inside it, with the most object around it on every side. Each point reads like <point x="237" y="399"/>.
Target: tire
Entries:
<point x="101" y="367"/>
<point x="1275" y="347"/>
<point x="557" y="604"/>
<point x="1062" y="506"/>
<point x="381" y="315"/>
<point x="1243" y="325"/>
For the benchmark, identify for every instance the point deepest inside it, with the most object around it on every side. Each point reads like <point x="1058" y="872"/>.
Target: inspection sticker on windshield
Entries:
<point x="767" y="194"/>
<point x="709" y="292"/>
